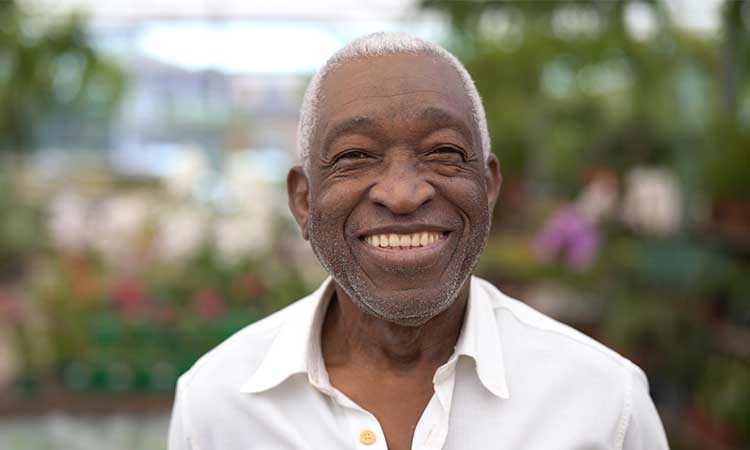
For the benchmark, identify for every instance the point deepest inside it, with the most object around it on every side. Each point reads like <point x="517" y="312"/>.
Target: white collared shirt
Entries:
<point x="516" y="380"/>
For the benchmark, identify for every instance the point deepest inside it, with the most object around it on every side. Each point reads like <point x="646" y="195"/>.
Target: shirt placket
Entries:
<point x="432" y="429"/>
<point x="363" y="426"/>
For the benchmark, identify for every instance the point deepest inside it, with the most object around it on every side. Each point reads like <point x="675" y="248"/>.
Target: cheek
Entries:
<point x="328" y="217"/>
<point x="335" y="203"/>
<point x="332" y="207"/>
<point x="471" y="199"/>
<point x="341" y="193"/>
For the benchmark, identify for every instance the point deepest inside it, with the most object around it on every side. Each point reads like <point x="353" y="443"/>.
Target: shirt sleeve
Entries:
<point x="645" y="430"/>
<point x="178" y="429"/>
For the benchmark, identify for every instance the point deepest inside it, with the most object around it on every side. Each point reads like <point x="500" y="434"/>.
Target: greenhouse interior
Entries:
<point x="144" y="148"/>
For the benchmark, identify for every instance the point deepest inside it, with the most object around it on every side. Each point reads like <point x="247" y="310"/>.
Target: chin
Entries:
<point x="409" y="296"/>
<point x="409" y="308"/>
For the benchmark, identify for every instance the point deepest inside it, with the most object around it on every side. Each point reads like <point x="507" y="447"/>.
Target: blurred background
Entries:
<point x="143" y="153"/>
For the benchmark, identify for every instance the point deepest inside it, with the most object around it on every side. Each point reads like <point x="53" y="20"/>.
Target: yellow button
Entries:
<point x="367" y="437"/>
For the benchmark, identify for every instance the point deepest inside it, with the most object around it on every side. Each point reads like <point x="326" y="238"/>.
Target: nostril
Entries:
<point x="403" y="196"/>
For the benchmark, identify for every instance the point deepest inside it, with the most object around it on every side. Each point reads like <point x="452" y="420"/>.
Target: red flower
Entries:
<point x="248" y="286"/>
<point x="208" y="304"/>
<point x="130" y="296"/>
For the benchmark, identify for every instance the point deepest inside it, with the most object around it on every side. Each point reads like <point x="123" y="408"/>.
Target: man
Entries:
<point x="402" y="348"/>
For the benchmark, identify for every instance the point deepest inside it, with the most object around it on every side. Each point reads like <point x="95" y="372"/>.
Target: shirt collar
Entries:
<point x="480" y="340"/>
<point x="296" y="348"/>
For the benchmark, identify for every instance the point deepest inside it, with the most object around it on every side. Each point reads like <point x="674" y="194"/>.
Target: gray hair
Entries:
<point x="378" y="44"/>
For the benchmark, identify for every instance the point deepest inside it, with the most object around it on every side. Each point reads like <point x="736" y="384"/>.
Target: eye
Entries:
<point x="448" y="151"/>
<point x="352" y="155"/>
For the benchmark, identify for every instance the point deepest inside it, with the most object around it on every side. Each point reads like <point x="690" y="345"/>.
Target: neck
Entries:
<point x="352" y="337"/>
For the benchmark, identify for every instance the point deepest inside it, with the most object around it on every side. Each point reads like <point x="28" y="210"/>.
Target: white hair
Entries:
<point x="378" y="44"/>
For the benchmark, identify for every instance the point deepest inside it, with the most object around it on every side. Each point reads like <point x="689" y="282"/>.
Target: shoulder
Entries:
<point x="210" y="393"/>
<point x="227" y="366"/>
<point x="550" y="363"/>
<point x="547" y="332"/>
<point x="533" y="342"/>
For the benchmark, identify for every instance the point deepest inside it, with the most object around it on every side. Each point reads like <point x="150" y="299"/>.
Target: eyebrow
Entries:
<point x="350" y="125"/>
<point x="443" y="118"/>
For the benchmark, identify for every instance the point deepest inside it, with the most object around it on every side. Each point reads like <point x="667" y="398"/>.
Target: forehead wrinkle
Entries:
<point x="384" y="87"/>
<point x="398" y="94"/>
<point x="388" y="85"/>
<point x="437" y="114"/>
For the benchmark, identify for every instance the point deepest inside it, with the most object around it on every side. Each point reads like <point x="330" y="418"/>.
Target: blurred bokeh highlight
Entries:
<point x="143" y="154"/>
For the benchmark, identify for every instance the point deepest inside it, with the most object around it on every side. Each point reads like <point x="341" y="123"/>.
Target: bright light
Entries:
<point x="238" y="47"/>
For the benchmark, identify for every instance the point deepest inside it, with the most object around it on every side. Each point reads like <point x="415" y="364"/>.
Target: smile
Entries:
<point x="404" y="241"/>
<point x="416" y="249"/>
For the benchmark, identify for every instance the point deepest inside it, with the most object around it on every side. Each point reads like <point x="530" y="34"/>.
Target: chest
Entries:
<point x="300" y="417"/>
<point x="398" y="413"/>
<point x="396" y="405"/>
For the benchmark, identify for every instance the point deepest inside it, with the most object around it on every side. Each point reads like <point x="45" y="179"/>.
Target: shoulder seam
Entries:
<point x="572" y="335"/>
<point x="624" y="422"/>
<point x="611" y="354"/>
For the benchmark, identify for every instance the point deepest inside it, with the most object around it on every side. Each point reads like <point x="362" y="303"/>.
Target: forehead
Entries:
<point x="379" y="86"/>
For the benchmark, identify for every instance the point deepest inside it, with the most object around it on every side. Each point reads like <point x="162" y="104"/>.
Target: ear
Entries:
<point x="298" y="189"/>
<point x="493" y="180"/>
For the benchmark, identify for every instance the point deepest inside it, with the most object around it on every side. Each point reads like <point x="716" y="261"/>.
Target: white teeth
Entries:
<point x="412" y="240"/>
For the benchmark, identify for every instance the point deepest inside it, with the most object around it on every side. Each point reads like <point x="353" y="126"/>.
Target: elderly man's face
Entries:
<point x="399" y="194"/>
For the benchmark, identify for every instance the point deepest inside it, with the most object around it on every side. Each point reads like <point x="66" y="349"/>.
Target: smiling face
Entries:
<point x="397" y="199"/>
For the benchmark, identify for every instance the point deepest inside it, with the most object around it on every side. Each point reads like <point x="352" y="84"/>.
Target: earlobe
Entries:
<point x="298" y="190"/>
<point x="493" y="180"/>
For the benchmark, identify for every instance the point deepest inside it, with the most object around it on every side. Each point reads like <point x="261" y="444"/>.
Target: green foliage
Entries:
<point x="725" y="166"/>
<point x="724" y="391"/>
<point x="21" y="222"/>
<point x="50" y="75"/>
<point x="110" y="331"/>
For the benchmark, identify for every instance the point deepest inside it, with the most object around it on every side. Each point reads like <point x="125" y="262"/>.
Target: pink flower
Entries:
<point x="10" y="308"/>
<point x="569" y="236"/>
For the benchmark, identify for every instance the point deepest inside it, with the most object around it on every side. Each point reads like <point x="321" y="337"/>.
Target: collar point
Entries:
<point x="500" y="391"/>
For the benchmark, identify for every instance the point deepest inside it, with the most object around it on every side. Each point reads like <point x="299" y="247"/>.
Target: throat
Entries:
<point x="350" y="337"/>
<point x="395" y="350"/>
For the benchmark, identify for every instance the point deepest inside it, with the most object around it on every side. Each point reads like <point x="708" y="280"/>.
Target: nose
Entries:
<point x="401" y="188"/>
